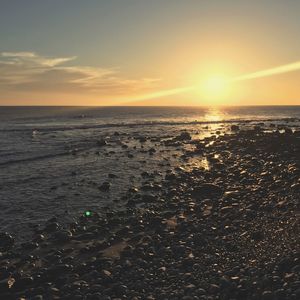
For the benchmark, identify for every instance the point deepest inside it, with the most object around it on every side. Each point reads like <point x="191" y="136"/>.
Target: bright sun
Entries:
<point x="215" y="88"/>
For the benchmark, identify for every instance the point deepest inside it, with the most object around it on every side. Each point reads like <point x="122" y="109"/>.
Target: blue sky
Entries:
<point x="165" y="42"/>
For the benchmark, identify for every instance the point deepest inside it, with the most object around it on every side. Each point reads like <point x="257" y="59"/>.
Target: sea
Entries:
<point x="54" y="160"/>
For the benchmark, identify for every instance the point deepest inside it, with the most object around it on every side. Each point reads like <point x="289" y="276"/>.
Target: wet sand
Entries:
<point x="228" y="230"/>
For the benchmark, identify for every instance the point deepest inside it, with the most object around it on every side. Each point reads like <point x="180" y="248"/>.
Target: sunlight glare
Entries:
<point x="214" y="115"/>
<point x="214" y="87"/>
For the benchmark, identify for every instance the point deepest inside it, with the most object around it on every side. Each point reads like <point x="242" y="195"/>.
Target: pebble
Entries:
<point x="216" y="233"/>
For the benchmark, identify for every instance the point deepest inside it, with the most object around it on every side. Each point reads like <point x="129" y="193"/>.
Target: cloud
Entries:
<point x="29" y="71"/>
<point x="33" y="58"/>
<point x="18" y="54"/>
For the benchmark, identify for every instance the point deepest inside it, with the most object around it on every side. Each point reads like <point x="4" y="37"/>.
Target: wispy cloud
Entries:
<point x="29" y="71"/>
<point x="33" y="58"/>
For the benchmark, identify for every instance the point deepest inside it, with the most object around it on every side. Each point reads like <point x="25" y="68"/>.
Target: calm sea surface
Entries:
<point x="51" y="162"/>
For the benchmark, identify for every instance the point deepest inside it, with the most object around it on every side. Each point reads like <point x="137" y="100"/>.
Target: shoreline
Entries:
<point x="258" y="121"/>
<point x="228" y="232"/>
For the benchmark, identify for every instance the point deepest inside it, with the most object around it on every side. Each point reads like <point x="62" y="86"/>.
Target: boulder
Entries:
<point x="207" y="190"/>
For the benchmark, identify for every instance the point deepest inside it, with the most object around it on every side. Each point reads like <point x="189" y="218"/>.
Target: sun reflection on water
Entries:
<point x="214" y="115"/>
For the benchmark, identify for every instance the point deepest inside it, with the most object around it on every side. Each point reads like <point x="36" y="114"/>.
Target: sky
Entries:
<point x="149" y="52"/>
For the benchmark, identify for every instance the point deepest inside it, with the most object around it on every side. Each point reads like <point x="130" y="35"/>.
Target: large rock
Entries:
<point x="63" y="236"/>
<point x="207" y="190"/>
<point x="184" y="136"/>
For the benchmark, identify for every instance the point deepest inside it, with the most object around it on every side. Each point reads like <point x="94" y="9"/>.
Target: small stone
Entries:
<point x="257" y="235"/>
<point x="101" y="143"/>
<point x="111" y="175"/>
<point x="267" y="295"/>
<point x="234" y="127"/>
<point x="104" y="187"/>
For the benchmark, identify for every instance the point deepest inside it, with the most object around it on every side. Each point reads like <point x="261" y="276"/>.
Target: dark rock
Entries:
<point x="29" y="245"/>
<point x="104" y="187"/>
<point x="110" y="175"/>
<point x="207" y="190"/>
<point x="142" y="139"/>
<point x="4" y="287"/>
<point x="6" y="241"/>
<point x="101" y="143"/>
<point x="51" y="227"/>
<point x="152" y="151"/>
<point x="22" y="283"/>
<point x="63" y="236"/>
<point x="184" y="136"/>
<point x="234" y="127"/>
<point x="267" y="295"/>
<point x="170" y="176"/>
<point x="257" y="235"/>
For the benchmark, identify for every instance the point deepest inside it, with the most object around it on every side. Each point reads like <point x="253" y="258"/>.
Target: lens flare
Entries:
<point x="87" y="213"/>
<point x="216" y="85"/>
<point x="270" y="72"/>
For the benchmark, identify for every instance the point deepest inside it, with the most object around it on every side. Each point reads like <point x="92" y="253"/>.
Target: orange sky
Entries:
<point x="133" y="52"/>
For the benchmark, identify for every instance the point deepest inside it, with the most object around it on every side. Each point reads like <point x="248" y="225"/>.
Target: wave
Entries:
<point x="34" y="158"/>
<point x="143" y="124"/>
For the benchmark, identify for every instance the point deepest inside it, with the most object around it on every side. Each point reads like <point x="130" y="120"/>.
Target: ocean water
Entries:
<point x="51" y="163"/>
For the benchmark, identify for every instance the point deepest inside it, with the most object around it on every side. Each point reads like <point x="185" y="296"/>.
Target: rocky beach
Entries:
<point x="222" y="222"/>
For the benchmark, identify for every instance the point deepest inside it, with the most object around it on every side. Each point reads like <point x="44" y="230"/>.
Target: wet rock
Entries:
<point x="173" y="247"/>
<point x="101" y="143"/>
<point x="63" y="236"/>
<point x="142" y="139"/>
<point x="104" y="187"/>
<point x="170" y="176"/>
<point x="86" y="236"/>
<point x="51" y="227"/>
<point x="133" y="190"/>
<point x="4" y="287"/>
<point x="151" y="151"/>
<point x="6" y="241"/>
<point x="120" y="290"/>
<point x="234" y="127"/>
<point x="111" y="175"/>
<point x="184" y="136"/>
<point x="257" y="235"/>
<point x="52" y="272"/>
<point x="207" y="190"/>
<point x="288" y="130"/>
<point x="214" y="288"/>
<point x="131" y="203"/>
<point x="267" y="295"/>
<point x="23" y="283"/>
<point x="149" y="198"/>
<point x="257" y="128"/>
<point x="29" y="245"/>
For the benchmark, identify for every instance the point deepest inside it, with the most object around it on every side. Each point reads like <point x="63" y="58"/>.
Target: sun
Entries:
<point x="214" y="87"/>
<point x="215" y="84"/>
